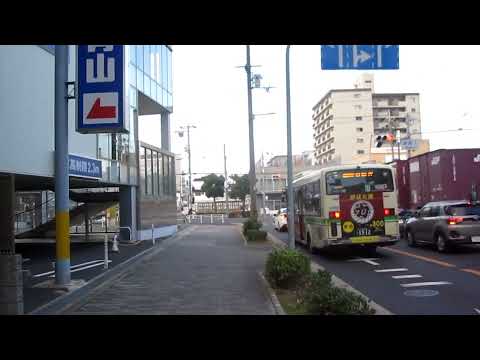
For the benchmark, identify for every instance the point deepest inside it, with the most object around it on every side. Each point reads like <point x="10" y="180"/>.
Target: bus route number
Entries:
<point x="378" y="223"/>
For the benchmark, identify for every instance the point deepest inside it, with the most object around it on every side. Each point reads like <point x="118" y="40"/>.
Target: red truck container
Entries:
<point x="444" y="175"/>
<point x="403" y="182"/>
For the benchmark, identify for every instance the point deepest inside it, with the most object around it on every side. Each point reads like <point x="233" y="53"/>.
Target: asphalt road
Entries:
<point x="409" y="281"/>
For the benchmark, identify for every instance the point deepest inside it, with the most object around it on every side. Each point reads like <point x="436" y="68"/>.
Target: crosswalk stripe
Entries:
<point x="391" y="270"/>
<point x="432" y="283"/>
<point x="406" y="276"/>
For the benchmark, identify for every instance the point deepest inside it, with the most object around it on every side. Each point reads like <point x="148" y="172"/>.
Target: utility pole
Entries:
<point x="409" y="153"/>
<point x="225" y="170"/>
<point x="62" y="200"/>
<point x="189" y="169"/>
<point x="291" y="211"/>
<point x="180" y="133"/>
<point x="252" y="177"/>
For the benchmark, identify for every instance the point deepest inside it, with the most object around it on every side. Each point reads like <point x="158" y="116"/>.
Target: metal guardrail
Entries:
<point x="206" y="219"/>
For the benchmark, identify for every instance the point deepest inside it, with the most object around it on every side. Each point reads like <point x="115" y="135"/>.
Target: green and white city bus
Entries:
<point x="346" y="205"/>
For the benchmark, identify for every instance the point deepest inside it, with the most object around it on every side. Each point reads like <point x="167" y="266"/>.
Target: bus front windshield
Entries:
<point x="356" y="181"/>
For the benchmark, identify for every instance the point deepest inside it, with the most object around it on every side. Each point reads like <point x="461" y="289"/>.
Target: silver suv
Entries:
<point x="444" y="224"/>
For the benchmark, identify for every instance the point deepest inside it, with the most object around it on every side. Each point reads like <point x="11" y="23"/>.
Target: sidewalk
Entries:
<point x="206" y="270"/>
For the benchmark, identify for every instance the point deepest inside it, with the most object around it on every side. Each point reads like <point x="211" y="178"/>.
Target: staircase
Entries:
<point x="95" y="202"/>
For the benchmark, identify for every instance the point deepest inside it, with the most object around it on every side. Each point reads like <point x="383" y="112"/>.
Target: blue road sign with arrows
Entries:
<point x="360" y="57"/>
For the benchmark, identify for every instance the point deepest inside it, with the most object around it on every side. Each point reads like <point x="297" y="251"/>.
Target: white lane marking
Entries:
<point x="432" y="283"/>
<point x="391" y="270"/>
<point x="367" y="260"/>
<point x="25" y="260"/>
<point x="85" y="267"/>
<point x="478" y="311"/>
<point x="72" y="267"/>
<point x="406" y="276"/>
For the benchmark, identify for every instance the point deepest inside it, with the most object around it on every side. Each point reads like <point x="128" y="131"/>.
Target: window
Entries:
<point x="359" y="129"/>
<point x="155" y="173"/>
<point x="166" y="174"/>
<point x="426" y="211"/>
<point x="140" y="57"/>
<point x="160" y="175"/>
<point x="148" y="167"/>
<point x="413" y="110"/>
<point x="164" y="68"/>
<point x="356" y="96"/>
<point x="132" y="51"/>
<point x="360" y="152"/>
<point x="146" y="59"/>
<point x="359" y="140"/>
<point x="354" y="182"/>
<point x="435" y="211"/>
<point x="330" y="157"/>
<point x="104" y="147"/>
<point x="142" y="169"/>
<point x="358" y="107"/>
<point x="358" y="118"/>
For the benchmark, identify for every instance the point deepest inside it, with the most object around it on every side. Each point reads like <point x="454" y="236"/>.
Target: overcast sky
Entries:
<point x="211" y="93"/>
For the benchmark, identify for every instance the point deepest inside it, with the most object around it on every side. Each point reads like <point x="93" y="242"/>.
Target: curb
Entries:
<point x="75" y="297"/>
<point x="379" y="310"/>
<point x="273" y="297"/>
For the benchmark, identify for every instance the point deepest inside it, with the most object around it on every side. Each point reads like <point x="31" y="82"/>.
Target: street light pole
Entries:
<point x="225" y="170"/>
<point x="252" y="177"/>
<point x="291" y="211"/>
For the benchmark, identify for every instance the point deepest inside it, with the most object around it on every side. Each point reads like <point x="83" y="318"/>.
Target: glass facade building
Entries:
<point x="150" y="73"/>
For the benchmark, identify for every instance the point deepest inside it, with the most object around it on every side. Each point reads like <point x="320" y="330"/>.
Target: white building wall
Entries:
<point x="26" y="110"/>
<point x="347" y="106"/>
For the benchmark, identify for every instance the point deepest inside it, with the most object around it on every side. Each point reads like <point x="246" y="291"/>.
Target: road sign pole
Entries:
<point x="62" y="206"/>
<point x="291" y="211"/>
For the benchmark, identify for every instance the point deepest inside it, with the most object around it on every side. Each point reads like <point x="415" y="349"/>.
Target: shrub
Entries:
<point x="322" y="298"/>
<point x="251" y="224"/>
<point x="253" y="234"/>
<point x="286" y="268"/>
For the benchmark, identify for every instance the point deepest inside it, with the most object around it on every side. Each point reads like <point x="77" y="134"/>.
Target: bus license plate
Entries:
<point x="363" y="232"/>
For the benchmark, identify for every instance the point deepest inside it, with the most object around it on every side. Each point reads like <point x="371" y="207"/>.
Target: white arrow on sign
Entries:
<point x="362" y="56"/>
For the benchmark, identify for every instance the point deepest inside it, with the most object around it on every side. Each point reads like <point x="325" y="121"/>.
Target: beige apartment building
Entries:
<point x="346" y="123"/>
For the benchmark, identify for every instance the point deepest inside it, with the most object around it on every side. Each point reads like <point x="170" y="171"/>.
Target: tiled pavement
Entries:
<point x="208" y="270"/>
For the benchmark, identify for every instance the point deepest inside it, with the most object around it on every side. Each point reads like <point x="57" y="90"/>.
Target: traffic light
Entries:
<point x="385" y="138"/>
<point x="193" y="199"/>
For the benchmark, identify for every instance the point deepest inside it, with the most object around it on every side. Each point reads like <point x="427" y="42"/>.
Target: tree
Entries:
<point x="213" y="186"/>
<point x="240" y="188"/>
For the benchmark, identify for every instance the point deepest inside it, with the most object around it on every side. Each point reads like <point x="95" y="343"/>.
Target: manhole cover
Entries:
<point x="421" y="293"/>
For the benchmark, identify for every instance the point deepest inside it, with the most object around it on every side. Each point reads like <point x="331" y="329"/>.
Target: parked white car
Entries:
<point x="280" y="220"/>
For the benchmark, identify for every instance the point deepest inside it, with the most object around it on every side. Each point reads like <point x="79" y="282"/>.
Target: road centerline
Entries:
<point x="420" y="257"/>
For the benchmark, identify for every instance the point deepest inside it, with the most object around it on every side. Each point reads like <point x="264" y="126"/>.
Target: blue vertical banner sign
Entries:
<point x="101" y="94"/>
<point x="360" y="57"/>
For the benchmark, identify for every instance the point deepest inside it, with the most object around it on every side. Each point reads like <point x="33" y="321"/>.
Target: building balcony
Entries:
<point x="386" y="105"/>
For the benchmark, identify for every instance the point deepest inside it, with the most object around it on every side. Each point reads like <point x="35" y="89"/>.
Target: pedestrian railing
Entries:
<point x="206" y="219"/>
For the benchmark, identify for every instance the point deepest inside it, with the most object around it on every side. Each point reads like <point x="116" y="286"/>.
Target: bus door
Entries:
<point x="299" y="215"/>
